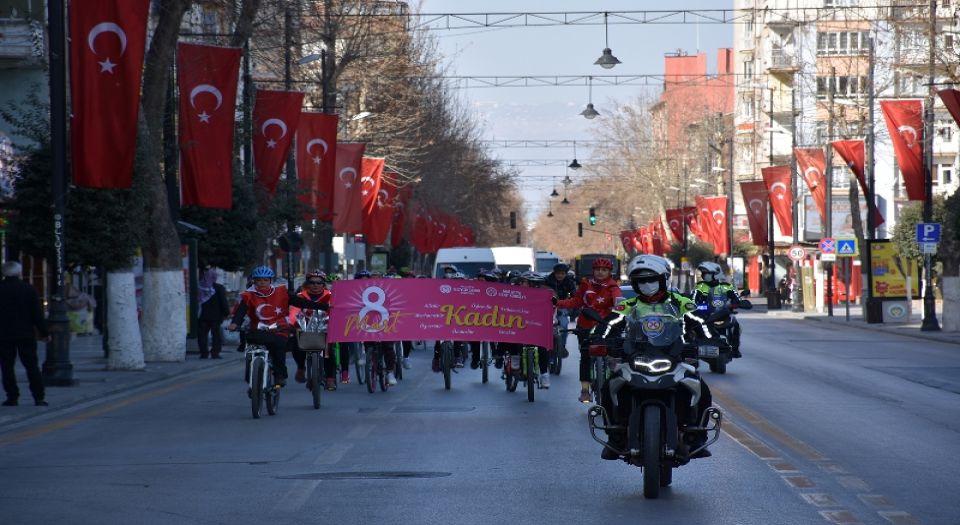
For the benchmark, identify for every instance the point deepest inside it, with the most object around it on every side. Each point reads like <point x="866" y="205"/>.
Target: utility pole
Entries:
<point x="874" y="313"/>
<point x="291" y="163"/>
<point x="247" y="119"/>
<point x="796" y="298"/>
<point x="773" y="298"/>
<point x="930" y="323"/>
<point x="327" y="68"/>
<point x="828" y="216"/>
<point x="57" y="369"/>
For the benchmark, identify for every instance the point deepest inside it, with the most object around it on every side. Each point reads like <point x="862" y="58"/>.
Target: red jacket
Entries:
<point x="324" y="297"/>
<point x="599" y="296"/>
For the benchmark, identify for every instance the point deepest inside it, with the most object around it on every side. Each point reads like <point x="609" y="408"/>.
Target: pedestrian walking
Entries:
<point x="214" y="309"/>
<point x="20" y="325"/>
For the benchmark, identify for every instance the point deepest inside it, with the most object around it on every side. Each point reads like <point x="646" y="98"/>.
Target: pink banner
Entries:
<point x="440" y="309"/>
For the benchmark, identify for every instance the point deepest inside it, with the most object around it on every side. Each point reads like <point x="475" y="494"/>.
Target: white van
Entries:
<point x="468" y="261"/>
<point x="546" y="261"/>
<point x="514" y="258"/>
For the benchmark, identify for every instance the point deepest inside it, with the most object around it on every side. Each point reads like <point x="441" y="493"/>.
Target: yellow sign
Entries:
<point x="890" y="272"/>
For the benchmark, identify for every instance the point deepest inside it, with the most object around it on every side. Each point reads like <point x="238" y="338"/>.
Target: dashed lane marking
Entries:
<point x="818" y="499"/>
<point x="840" y="517"/>
<point x="898" y="517"/>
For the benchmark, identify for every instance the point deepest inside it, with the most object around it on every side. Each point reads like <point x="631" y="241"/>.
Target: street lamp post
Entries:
<point x="930" y="323"/>
<point x="57" y="368"/>
<point x="773" y="298"/>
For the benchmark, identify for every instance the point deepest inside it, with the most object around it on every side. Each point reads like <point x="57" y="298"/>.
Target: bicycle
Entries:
<point x="528" y="371"/>
<point x="449" y="351"/>
<point x="484" y="361"/>
<point x="398" y="365"/>
<point x="559" y="347"/>
<point x="374" y="368"/>
<point x="259" y="373"/>
<point x="312" y="339"/>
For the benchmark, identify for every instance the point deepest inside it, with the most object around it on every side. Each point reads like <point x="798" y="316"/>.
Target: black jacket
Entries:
<point x="564" y="288"/>
<point x="21" y="316"/>
<point x="216" y="308"/>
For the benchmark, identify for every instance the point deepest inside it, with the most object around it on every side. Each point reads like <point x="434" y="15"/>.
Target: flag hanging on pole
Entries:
<point x="756" y="199"/>
<point x="276" y="115"/>
<point x="951" y="99"/>
<point x="316" y="162"/>
<point x="347" y="201"/>
<point x="377" y="223"/>
<point x="905" y="123"/>
<point x="107" y="42"/>
<point x="812" y="163"/>
<point x="853" y="153"/>
<point x="208" y="98"/>
<point x="780" y="189"/>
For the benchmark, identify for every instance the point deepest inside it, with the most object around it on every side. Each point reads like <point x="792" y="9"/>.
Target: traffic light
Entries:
<point x="513" y="220"/>
<point x="593" y="217"/>
<point x="579" y="229"/>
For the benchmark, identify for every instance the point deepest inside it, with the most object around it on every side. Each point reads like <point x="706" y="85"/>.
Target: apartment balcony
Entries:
<point x="21" y="41"/>
<point x="782" y="63"/>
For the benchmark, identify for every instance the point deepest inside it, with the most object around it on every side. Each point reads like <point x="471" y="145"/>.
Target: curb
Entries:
<point x="906" y="331"/>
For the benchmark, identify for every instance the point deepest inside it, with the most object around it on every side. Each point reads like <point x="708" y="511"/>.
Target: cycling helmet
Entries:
<point x="511" y="277"/>
<point x="317" y="274"/>
<point x="532" y="278"/>
<point x="362" y="274"/>
<point x="709" y="271"/>
<point x="603" y="263"/>
<point x="262" y="272"/>
<point x="649" y="275"/>
<point x="456" y="275"/>
<point x="561" y="267"/>
<point x="490" y="277"/>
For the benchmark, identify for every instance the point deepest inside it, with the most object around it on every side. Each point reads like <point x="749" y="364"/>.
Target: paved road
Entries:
<point x="825" y="424"/>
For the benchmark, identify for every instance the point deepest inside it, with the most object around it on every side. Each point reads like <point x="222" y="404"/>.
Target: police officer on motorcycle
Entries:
<point x="649" y="277"/>
<point x="714" y="293"/>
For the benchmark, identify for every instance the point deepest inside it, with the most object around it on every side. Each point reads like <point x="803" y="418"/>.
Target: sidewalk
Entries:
<point x="911" y="329"/>
<point x="94" y="383"/>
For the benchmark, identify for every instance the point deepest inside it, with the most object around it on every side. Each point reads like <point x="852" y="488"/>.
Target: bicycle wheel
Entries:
<point x="598" y="374"/>
<point x="398" y="366"/>
<point x="370" y="370"/>
<point x="382" y="370"/>
<point x="557" y="364"/>
<point x="315" y="370"/>
<point x="531" y="372"/>
<point x="446" y="362"/>
<point x="484" y="362"/>
<point x="273" y="400"/>
<point x="256" y="388"/>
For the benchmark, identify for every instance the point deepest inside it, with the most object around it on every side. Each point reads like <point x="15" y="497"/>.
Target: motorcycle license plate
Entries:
<point x="709" y="351"/>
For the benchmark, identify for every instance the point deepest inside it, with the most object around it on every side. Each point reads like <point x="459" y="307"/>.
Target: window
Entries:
<point x="842" y="86"/>
<point x="842" y="43"/>
<point x="748" y="68"/>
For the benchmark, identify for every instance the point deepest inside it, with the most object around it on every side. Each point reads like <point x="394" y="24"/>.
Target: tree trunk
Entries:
<point x="164" y="314"/>
<point x="126" y="350"/>
<point x="951" y="304"/>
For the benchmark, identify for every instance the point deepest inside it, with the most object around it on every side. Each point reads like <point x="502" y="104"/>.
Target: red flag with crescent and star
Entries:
<point x="107" y="42"/>
<point x="779" y="187"/>
<point x="756" y="199"/>
<point x="626" y="238"/>
<point x="853" y="153"/>
<point x="276" y="115"/>
<point x="675" y="223"/>
<point x="347" y="201"/>
<point x="658" y="234"/>
<point x="316" y="161"/>
<point x="377" y="223"/>
<point x="951" y="99"/>
<point x="713" y="219"/>
<point x="812" y="163"/>
<point x="691" y="215"/>
<point x="704" y="230"/>
<point x="208" y="98"/>
<point x="905" y="123"/>
<point x="401" y="212"/>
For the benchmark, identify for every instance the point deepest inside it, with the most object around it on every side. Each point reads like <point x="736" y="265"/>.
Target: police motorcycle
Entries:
<point x="720" y="349"/>
<point x="654" y="392"/>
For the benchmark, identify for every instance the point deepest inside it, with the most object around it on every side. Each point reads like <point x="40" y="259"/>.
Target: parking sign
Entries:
<point x="928" y="232"/>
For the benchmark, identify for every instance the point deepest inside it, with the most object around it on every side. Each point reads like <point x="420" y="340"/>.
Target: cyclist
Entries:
<point x="714" y="293"/>
<point x="267" y="306"/>
<point x="314" y="289"/>
<point x="386" y="347"/>
<point x="564" y="286"/>
<point x="600" y="293"/>
<point x="459" y="347"/>
<point x="649" y="277"/>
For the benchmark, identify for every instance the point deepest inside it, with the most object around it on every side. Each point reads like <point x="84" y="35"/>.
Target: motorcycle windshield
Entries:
<point x="655" y="329"/>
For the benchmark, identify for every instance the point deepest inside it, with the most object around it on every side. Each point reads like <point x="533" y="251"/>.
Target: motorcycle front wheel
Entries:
<point x="652" y="446"/>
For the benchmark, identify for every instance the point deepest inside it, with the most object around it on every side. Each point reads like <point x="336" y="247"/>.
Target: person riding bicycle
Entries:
<point x="600" y="293"/>
<point x="459" y="347"/>
<point x="267" y="306"/>
<point x="386" y="347"/>
<point x="490" y="277"/>
<point x="564" y="286"/>
<point x="714" y="293"/>
<point x="314" y="289"/>
<point x="649" y="277"/>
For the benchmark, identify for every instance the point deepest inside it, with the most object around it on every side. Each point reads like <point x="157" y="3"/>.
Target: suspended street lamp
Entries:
<point x="606" y="60"/>
<point x="590" y="113"/>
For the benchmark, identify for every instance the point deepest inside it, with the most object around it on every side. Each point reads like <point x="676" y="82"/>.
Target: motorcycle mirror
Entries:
<point x="745" y="293"/>
<point x="745" y="304"/>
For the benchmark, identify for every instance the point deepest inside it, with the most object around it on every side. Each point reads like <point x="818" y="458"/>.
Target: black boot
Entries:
<point x="735" y="352"/>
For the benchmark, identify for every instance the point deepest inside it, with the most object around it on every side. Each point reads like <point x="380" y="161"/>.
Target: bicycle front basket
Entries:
<point x="312" y="341"/>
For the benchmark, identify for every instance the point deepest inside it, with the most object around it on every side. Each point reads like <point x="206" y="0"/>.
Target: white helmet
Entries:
<point x="708" y="267"/>
<point x="644" y="265"/>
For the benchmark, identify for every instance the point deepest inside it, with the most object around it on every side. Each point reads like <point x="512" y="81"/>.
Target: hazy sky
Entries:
<point x="553" y="112"/>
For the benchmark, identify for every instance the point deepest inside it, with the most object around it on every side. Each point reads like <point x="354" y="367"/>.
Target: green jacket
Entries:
<point x="715" y="296"/>
<point x="676" y="310"/>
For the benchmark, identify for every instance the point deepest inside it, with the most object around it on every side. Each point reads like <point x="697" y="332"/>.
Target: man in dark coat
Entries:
<point x="213" y="310"/>
<point x="21" y="323"/>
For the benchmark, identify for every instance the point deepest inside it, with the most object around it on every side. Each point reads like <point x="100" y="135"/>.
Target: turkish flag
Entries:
<point x="812" y="164"/>
<point x="208" y="88"/>
<point x="852" y="152"/>
<point x="377" y="223"/>
<point x="905" y="123"/>
<point x="713" y="220"/>
<point x="777" y="180"/>
<point x="107" y="41"/>
<point x="371" y="171"/>
<point x="643" y="240"/>
<point x="626" y="238"/>
<point x="691" y="215"/>
<point x="316" y="161"/>
<point x="422" y="227"/>
<point x="659" y="236"/>
<point x="400" y="214"/>
<point x="951" y="99"/>
<point x="756" y="198"/>
<point x="675" y="222"/>
<point x="347" y="201"/>
<point x="276" y="115"/>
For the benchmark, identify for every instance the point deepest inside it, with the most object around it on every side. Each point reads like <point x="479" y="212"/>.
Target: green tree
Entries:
<point x="904" y="233"/>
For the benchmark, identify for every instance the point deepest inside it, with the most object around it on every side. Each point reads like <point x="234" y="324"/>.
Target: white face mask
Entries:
<point x="708" y="276"/>
<point x="648" y="289"/>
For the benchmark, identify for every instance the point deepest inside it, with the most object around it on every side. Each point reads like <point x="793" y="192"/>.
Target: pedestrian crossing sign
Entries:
<point x="847" y="248"/>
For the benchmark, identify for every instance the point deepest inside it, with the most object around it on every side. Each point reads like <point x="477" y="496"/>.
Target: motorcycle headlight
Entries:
<point x="654" y="366"/>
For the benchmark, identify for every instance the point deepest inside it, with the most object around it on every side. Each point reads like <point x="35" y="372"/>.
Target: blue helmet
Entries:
<point x="263" y="272"/>
<point x="362" y="274"/>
